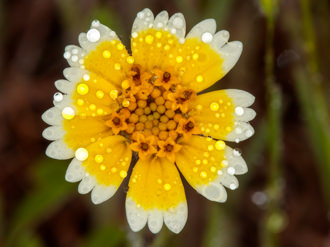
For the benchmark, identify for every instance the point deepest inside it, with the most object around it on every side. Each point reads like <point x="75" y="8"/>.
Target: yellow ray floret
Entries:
<point x="108" y="160"/>
<point x="195" y="63"/>
<point x="201" y="159"/>
<point x="214" y="114"/>
<point x="110" y="60"/>
<point x="156" y="184"/>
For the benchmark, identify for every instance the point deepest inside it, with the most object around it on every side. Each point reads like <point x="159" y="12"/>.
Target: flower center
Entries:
<point x="153" y="107"/>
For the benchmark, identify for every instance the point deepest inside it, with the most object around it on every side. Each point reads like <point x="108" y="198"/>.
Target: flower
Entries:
<point x="113" y="103"/>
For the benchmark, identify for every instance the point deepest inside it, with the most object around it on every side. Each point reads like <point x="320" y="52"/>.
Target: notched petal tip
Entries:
<point x="86" y="184"/>
<point x="75" y="171"/>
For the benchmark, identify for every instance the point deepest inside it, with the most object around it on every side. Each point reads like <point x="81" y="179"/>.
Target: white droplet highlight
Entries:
<point x="93" y="35"/>
<point x="58" y="97"/>
<point x="207" y="37"/>
<point x="81" y="154"/>
<point x="239" y="111"/>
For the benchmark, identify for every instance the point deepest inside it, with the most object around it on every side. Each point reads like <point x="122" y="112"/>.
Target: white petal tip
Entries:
<point x="102" y="193"/>
<point x="59" y="150"/>
<point x="176" y="218"/>
<point x="136" y="215"/>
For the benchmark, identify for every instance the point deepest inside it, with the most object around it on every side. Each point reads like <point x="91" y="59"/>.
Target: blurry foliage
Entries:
<point x="238" y="222"/>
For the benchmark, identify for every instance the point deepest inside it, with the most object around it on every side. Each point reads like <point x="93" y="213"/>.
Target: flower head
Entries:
<point x="113" y="103"/>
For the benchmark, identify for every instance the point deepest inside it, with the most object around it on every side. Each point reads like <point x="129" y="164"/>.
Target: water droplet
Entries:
<point x="140" y="15"/>
<point x="239" y="111"/>
<point x="179" y="59"/>
<point x="98" y="158"/>
<point x="81" y="154"/>
<point x="93" y="35"/>
<point x="58" y="97"/>
<point x="106" y="54"/>
<point x="167" y="187"/>
<point x="149" y="39"/>
<point x="232" y="186"/>
<point x="67" y="55"/>
<point x="214" y="106"/>
<point x="248" y="133"/>
<point x="68" y="113"/>
<point x="82" y="89"/>
<point x="220" y="145"/>
<point x="207" y="37"/>
<point x="203" y="174"/>
<point x="123" y="174"/>
<point x="199" y="78"/>
<point x="231" y="170"/>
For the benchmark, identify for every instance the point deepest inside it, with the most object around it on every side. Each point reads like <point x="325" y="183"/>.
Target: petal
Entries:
<point x="75" y="171"/>
<point x="52" y="116"/>
<point x="104" y="165"/>
<point x="91" y="94"/>
<point x="102" y="53"/>
<point x="155" y="195"/>
<point x="198" y="61"/>
<point x="53" y="133"/>
<point x="59" y="150"/>
<point x="208" y="165"/>
<point x="223" y="114"/>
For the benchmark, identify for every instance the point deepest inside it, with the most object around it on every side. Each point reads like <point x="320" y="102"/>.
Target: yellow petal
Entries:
<point x="82" y="131"/>
<point x="110" y="60"/>
<point x="155" y="186"/>
<point x="106" y="160"/>
<point x="222" y="114"/>
<point x="208" y="165"/>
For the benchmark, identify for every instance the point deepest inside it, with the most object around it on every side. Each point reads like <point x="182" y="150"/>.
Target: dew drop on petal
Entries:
<point x="239" y="111"/>
<point x="220" y="145"/>
<point x="207" y="37"/>
<point x="93" y="35"/>
<point x="68" y="113"/>
<point x="81" y="154"/>
<point x="58" y="97"/>
<point x="167" y="187"/>
<point x="231" y="170"/>
<point x="123" y="174"/>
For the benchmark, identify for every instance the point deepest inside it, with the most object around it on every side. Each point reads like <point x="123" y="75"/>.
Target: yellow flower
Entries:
<point x="113" y="102"/>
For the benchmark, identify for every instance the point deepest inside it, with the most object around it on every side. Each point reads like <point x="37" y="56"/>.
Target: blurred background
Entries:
<point x="283" y="200"/>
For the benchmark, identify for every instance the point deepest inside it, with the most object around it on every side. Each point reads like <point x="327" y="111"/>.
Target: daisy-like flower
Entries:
<point x="113" y="103"/>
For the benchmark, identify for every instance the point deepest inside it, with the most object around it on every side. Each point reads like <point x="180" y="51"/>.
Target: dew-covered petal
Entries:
<point x="143" y="21"/>
<point x="222" y="114"/>
<point x="177" y="25"/>
<point x="156" y="193"/>
<point x="204" y="31"/>
<point x="87" y="184"/>
<point x="101" y="193"/>
<point x="208" y="165"/>
<point x="161" y="20"/>
<point x="75" y="171"/>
